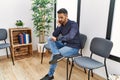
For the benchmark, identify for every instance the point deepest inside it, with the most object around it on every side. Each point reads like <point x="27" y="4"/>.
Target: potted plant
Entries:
<point x="42" y="17"/>
<point x="19" y="23"/>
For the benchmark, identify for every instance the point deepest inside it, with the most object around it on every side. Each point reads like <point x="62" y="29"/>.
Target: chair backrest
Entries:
<point x="3" y="34"/>
<point x="83" y="39"/>
<point x="101" y="47"/>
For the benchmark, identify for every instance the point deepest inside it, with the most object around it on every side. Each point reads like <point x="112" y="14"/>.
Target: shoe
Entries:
<point x="46" y="77"/>
<point x="56" y="58"/>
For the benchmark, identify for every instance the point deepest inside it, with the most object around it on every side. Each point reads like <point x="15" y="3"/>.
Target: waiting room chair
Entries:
<point x="3" y="44"/>
<point x="100" y="47"/>
<point x="83" y="40"/>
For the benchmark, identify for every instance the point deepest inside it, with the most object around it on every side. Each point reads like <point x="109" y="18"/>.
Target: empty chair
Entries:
<point x="3" y="44"/>
<point x="100" y="47"/>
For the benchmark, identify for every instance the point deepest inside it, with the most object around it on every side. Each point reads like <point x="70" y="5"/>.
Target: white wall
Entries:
<point x="12" y="10"/>
<point x="71" y="8"/>
<point x="93" y="23"/>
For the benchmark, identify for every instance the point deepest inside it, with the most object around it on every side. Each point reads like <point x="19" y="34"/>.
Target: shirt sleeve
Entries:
<point x="57" y="32"/>
<point x="73" y="31"/>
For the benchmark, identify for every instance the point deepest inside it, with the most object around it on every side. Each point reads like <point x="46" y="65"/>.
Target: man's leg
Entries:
<point x="64" y="52"/>
<point x="68" y="51"/>
<point x="54" y="46"/>
<point x="52" y="69"/>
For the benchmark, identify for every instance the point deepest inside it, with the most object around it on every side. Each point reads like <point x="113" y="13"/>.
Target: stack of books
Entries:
<point x="24" y="38"/>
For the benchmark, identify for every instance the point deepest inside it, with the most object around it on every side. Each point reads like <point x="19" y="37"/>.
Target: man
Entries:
<point x="64" y="46"/>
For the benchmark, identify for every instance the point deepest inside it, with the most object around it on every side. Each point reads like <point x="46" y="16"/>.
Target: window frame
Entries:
<point x="109" y="27"/>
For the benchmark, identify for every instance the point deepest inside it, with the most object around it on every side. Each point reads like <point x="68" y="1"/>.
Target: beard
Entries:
<point x="61" y="22"/>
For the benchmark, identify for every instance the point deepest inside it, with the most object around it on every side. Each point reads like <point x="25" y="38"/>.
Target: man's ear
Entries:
<point x="66" y="15"/>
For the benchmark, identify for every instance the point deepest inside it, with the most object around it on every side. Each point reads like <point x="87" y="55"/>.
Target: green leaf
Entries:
<point x="42" y="14"/>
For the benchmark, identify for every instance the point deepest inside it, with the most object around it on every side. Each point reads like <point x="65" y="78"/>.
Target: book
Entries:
<point x="20" y="38"/>
<point x="26" y="38"/>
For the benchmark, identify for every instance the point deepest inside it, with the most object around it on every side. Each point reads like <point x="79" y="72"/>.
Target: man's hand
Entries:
<point x="53" y="38"/>
<point x="58" y="24"/>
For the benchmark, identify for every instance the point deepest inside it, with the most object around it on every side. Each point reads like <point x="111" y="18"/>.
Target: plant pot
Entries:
<point x="42" y="37"/>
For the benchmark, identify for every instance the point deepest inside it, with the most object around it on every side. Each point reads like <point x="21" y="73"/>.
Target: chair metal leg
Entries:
<point x="42" y="55"/>
<point x="106" y="72"/>
<point x="67" y="68"/>
<point x="7" y="53"/>
<point x="106" y="69"/>
<point x="12" y="56"/>
<point x="92" y="73"/>
<point x="72" y="65"/>
<point x="89" y="74"/>
<point x="68" y="61"/>
<point x="85" y="70"/>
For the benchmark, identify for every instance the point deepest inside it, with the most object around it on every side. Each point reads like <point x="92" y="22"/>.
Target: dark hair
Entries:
<point x="62" y="10"/>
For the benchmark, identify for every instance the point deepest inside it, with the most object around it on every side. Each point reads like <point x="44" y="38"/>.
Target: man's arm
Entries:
<point x="71" y="34"/>
<point x="57" y="30"/>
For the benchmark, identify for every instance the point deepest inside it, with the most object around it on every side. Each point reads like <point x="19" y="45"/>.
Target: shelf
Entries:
<point x="21" y="42"/>
<point x="18" y="45"/>
<point x="18" y="29"/>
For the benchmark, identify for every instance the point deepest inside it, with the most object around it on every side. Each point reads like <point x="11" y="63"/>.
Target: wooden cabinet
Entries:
<point x="19" y="49"/>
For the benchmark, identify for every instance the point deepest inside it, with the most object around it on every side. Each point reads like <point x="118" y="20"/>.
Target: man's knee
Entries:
<point x="49" y="39"/>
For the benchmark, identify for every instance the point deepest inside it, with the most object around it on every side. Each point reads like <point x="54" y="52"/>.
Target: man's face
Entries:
<point x="62" y="18"/>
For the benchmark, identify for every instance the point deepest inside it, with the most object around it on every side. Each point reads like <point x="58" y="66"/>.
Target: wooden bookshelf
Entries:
<point x="20" y="49"/>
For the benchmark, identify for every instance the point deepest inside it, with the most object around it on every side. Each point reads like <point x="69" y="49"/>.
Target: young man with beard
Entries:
<point x="67" y="45"/>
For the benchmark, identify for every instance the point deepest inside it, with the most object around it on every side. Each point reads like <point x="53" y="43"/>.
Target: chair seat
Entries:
<point x="88" y="63"/>
<point x="4" y="45"/>
<point x="74" y="55"/>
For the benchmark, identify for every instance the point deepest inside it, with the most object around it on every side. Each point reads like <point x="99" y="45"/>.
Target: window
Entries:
<point x="73" y="9"/>
<point x="113" y="30"/>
